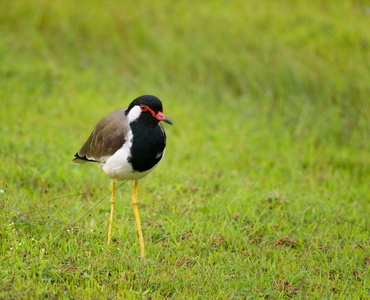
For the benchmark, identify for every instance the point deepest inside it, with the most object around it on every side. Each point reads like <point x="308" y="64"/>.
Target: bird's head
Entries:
<point x="147" y="108"/>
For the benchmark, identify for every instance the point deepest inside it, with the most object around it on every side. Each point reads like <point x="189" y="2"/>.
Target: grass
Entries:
<point x="263" y="192"/>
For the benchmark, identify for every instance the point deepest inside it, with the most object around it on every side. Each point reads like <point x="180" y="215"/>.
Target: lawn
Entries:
<point x="264" y="189"/>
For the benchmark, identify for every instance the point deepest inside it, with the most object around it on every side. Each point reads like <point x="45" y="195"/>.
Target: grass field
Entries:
<point x="264" y="189"/>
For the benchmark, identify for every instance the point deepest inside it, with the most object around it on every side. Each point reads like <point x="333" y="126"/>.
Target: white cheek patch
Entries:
<point x="134" y="114"/>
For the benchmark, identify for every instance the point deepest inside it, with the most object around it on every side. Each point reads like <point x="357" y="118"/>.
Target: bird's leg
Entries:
<point x="112" y="202"/>
<point x="136" y="212"/>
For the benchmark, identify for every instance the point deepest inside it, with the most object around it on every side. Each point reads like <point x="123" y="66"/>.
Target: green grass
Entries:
<point x="264" y="189"/>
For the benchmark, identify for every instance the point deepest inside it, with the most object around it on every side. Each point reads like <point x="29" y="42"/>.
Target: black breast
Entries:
<point x="147" y="146"/>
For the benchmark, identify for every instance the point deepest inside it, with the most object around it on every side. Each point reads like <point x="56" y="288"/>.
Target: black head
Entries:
<point x="147" y="108"/>
<point x="151" y="101"/>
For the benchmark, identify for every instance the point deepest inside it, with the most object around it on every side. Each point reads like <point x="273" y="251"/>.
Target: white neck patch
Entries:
<point x="134" y="114"/>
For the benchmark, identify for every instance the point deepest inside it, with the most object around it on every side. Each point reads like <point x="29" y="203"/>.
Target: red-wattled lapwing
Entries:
<point x="128" y="144"/>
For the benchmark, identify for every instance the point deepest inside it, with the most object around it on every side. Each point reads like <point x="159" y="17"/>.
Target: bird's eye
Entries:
<point x="143" y="107"/>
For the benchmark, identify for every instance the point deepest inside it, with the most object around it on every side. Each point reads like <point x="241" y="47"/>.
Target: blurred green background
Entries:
<point x="270" y="105"/>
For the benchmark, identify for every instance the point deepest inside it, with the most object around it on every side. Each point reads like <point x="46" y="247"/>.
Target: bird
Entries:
<point x="128" y="144"/>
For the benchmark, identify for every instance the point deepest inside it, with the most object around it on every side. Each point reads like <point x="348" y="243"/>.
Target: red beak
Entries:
<point x="161" y="117"/>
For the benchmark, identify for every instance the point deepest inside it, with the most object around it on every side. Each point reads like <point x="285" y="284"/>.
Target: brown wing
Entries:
<point x="108" y="136"/>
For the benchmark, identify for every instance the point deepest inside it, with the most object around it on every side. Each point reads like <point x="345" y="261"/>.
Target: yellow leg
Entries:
<point x="136" y="212"/>
<point x="112" y="202"/>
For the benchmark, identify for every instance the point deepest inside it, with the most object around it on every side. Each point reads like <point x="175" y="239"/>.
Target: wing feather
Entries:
<point x="107" y="137"/>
